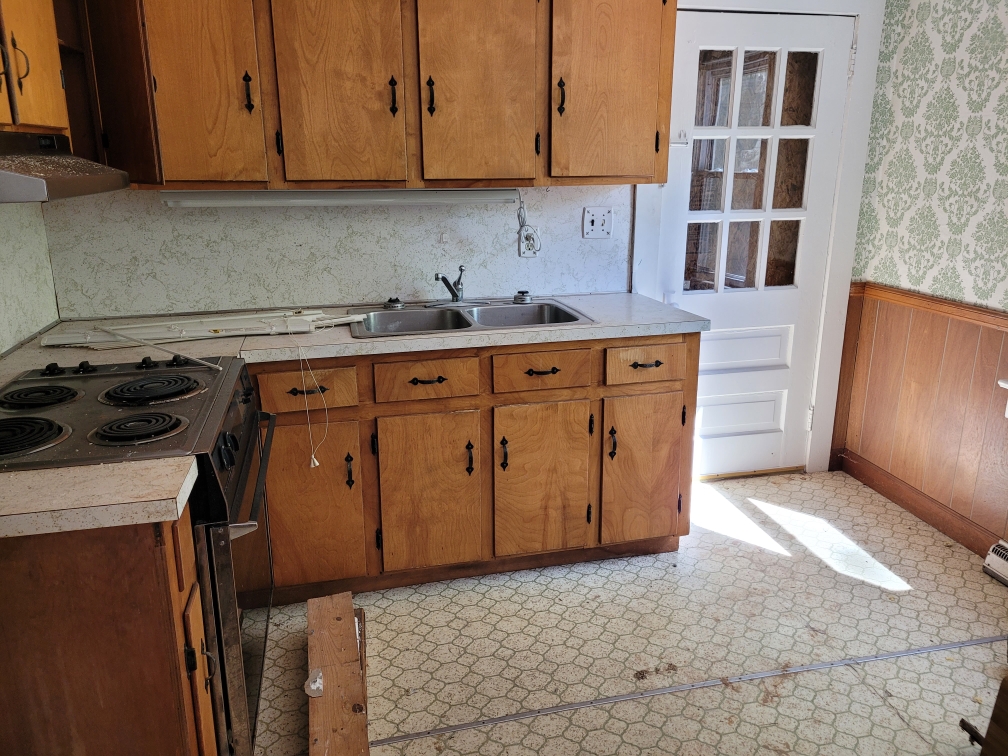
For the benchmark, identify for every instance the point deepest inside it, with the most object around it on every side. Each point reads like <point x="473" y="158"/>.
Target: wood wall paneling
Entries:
<point x="848" y="359"/>
<point x="862" y="367"/>
<point x="990" y="499"/>
<point x="881" y="400"/>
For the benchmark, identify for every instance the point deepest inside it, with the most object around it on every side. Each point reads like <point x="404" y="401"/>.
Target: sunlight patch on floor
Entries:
<point x="832" y="546"/>
<point x="712" y="511"/>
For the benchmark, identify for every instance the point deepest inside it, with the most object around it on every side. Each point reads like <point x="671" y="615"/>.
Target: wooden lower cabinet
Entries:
<point x="429" y="473"/>
<point x="316" y="514"/>
<point x="541" y="488"/>
<point x="640" y="466"/>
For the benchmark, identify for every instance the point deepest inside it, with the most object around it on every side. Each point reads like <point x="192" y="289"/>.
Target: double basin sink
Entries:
<point x="437" y="318"/>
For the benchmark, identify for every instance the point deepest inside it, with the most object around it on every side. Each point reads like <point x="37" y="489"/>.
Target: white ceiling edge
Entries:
<point x="339" y="198"/>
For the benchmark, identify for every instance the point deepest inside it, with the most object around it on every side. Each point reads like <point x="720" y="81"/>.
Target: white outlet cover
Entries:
<point x="597" y="223"/>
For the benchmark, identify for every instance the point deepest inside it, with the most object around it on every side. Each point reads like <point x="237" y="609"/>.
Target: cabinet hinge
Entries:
<point x="158" y="535"/>
<point x="537" y="143"/>
<point x="853" y="57"/>
<point x="62" y="80"/>
<point x="190" y="659"/>
<point x="378" y="539"/>
<point x="657" y="141"/>
<point x="154" y="78"/>
<point x="808" y="422"/>
<point x="684" y="414"/>
<point x="679" y="506"/>
<point x="279" y="142"/>
<point x="374" y="444"/>
<point x="591" y="424"/>
<point x="589" y="513"/>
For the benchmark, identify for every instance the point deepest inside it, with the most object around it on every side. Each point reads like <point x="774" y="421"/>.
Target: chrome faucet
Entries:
<point x="455" y="289"/>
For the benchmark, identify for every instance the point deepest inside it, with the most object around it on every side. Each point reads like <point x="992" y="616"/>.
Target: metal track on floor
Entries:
<point x="685" y="687"/>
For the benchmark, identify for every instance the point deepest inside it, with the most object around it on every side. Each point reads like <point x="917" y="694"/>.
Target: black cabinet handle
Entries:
<point x="591" y="424"/>
<point x="469" y="448"/>
<point x="20" y="81"/>
<point x="656" y="363"/>
<point x="430" y="85"/>
<point x="279" y="142"/>
<point x="211" y="665"/>
<point x="552" y="371"/>
<point x="504" y="464"/>
<point x="309" y="392"/>
<point x="349" y="470"/>
<point x="612" y="435"/>
<point x="563" y="96"/>
<point x="420" y="382"/>
<point x="395" y="108"/>
<point x="248" y="92"/>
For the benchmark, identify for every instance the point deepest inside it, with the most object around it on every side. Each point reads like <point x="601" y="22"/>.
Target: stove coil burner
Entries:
<point x="154" y="389"/>
<point x="25" y="435"/>
<point x="141" y="428"/>
<point x="37" y="397"/>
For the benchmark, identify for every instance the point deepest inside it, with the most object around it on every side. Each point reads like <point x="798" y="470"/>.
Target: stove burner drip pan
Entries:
<point x="141" y="428"/>
<point x="149" y="390"/>
<point x="25" y="435"/>
<point x="37" y="397"/>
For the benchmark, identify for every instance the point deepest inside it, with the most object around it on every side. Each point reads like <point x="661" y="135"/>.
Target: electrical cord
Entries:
<point x="527" y="235"/>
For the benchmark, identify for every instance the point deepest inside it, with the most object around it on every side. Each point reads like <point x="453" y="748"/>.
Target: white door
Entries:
<point x="758" y="105"/>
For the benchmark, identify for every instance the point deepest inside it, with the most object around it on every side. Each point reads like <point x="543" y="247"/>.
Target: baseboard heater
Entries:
<point x="996" y="563"/>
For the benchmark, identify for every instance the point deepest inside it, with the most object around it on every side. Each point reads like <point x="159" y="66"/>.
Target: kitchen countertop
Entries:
<point x="94" y="496"/>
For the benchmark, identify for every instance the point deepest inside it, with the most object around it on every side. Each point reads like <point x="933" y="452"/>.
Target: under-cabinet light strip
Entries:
<point x="339" y="198"/>
<point x="684" y="688"/>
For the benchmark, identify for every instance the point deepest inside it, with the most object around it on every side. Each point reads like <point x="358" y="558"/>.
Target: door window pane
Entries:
<point x="799" y="88"/>
<point x="707" y="178"/>
<point x="713" y="100"/>
<point x="701" y="256"/>
<point x="756" y="100"/>
<point x="789" y="182"/>
<point x="743" y="254"/>
<point x="750" y="174"/>
<point x="782" y="253"/>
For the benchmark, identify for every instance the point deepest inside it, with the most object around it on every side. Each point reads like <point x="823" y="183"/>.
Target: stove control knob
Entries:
<point x="231" y="440"/>
<point x="178" y="361"/>
<point x="146" y="364"/>
<point x="53" y="369"/>
<point x="227" y="458"/>
<point x="84" y="368"/>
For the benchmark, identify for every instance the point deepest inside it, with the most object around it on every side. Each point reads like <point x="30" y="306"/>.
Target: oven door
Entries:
<point x="236" y="579"/>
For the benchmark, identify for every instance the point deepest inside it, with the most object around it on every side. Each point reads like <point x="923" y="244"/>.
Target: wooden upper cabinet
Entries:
<point x="340" y="78"/>
<point x="541" y="493"/>
<point x="206" y="89"/>
<point x="605" y="87"/>
<point x="429" y="473"/>
<point x="640" y="466"/>
<point x="33" y="64"/>
<point x="477" y="88"/>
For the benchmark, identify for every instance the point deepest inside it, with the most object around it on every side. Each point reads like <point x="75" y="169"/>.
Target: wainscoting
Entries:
<point x="920" y="417"/>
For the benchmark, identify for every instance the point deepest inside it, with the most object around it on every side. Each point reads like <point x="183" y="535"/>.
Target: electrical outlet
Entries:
<point x="597" y="223"/>
<point x="528" y="243"/>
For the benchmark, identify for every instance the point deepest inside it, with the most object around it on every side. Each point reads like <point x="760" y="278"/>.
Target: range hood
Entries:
<point x="40" y="167"/>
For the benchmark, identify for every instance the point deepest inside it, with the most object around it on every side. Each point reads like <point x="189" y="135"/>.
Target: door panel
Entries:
<point x="200" y="54"/>
<point x="195" y="638"/>
<point x="34" y="61"/>
<point x="479" y="60"/>
<point x="640" y="466"/>
<point x="607" y="52"/>
<point x="541" y="497"/>
<point x="316" y="517"/>
<point x="430" y="489"/>
<point x="335" y="62"/>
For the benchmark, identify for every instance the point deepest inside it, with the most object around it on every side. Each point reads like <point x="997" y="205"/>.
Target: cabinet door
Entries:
<point x="477" y="88"/>
<point x="195" y="638"/>
<point x="316" y="514"/>
<point x="206" y="89"/>
<point x="339" y="71"/>
<point x="640" y="466"/>
<point x="541" y="493"/>
<point x="33" y="63"/>
<point x="429" y="470"/>
<point x="606" y="53"/>
<point x="5" y="113"/>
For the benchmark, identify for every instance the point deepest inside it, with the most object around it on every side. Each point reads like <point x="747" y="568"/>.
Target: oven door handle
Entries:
<point x="244" y="528"/>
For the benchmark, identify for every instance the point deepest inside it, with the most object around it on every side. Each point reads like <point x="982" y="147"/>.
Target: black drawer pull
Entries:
<point x="504" y="464"/>
<point x="349" y="470"/>
<point x="395" y="108"/>
<point x="612" y="435"/>
<point x="430" y="85"/>
<point x="248" y="92"/>
<point x="552" y="371"/>
<point x="421" y="382"/>
<point x="20" y="79"/>
<point x="309" y="392"/>
<point x="563" y="96"/>
<point x="656" y="363"/>
<point x="469" y="448"/>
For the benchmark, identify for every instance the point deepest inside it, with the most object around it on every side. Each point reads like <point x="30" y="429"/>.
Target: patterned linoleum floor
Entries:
<point x="778" y="572"/>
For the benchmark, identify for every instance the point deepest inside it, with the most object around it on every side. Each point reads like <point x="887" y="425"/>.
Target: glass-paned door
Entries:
<point x="758" y="104"/>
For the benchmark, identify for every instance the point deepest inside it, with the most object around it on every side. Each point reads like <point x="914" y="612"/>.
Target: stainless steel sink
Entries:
<point x="441" y="316"/>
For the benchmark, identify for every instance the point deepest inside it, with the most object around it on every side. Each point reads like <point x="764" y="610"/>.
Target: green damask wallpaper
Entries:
<point x="933" y="207"/>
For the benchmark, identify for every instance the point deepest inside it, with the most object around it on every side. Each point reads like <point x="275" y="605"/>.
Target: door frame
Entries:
<point x="868" y="16"/>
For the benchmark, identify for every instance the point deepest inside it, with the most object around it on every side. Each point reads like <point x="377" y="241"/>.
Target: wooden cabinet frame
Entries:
<point x="367" y="412"/>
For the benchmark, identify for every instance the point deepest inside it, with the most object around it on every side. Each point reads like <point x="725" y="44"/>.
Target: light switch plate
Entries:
<point x="597" y="223"/>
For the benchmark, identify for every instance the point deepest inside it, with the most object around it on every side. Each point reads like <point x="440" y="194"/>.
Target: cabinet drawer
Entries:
<point x="661" y="362"/>
<point x="541" y="370"/>
<point x="284" y="392"/>
<point x="426" y="379"/>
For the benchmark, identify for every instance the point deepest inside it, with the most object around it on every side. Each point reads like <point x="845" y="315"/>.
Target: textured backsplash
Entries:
<point x="125" y="253"/>
<point x="27" y="299"/>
